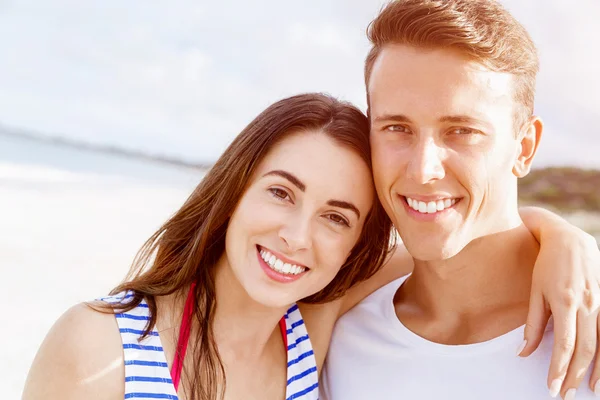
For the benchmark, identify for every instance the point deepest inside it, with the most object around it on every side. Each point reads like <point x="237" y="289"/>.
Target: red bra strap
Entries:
<point x="184" y="336"/>
<point x="283" y="332"/>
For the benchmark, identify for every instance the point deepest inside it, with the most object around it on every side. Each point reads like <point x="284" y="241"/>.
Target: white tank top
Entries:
<point x="374" y="356"/>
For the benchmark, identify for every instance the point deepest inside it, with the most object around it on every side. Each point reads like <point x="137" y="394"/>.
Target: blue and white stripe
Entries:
<point x="147" y="374"/>
<point x="302" y="375"/>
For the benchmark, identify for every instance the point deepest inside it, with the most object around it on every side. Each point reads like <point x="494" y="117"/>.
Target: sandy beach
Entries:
<point x="68" y="237"/>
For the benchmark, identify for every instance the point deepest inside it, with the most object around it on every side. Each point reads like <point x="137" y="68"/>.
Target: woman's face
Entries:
<point x="299" y="218"/>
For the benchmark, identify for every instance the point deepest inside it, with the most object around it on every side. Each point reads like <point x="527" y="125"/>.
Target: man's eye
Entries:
<point x="397" y="128"/>
<point x="463" y="131"/>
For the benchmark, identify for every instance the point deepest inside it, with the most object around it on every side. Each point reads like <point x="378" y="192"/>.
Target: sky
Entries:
<point x="183" y="77"/>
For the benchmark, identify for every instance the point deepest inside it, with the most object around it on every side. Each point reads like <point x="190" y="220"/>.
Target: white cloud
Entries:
<point x="183" y="77"/>
<point x="568" y="90"/>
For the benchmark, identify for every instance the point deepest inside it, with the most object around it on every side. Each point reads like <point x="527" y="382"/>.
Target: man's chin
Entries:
<point x="431" y="250"/>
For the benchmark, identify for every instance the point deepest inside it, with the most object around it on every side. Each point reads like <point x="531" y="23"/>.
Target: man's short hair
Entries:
<point x="481" y="29"/>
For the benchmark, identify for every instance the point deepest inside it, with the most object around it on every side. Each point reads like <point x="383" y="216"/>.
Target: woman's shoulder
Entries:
<point x="81" y="357"/>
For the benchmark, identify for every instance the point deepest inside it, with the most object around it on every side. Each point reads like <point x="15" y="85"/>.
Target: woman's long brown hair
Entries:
<point x="186" y="248"/>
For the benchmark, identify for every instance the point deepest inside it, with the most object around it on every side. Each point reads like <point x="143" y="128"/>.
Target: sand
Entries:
<point x="66" y="237"/>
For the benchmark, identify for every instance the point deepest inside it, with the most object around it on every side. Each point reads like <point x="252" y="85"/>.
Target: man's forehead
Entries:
<point x="399" y="59"/>
<point x="432" y="78"/>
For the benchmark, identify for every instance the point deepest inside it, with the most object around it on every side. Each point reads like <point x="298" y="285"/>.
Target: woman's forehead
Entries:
<point x="322" y="165"/>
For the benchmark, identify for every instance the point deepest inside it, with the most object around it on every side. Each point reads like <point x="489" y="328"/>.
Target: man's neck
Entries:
<point x="477" y="295"/>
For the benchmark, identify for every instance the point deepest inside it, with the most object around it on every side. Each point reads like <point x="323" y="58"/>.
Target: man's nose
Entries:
<point x="426" y="163"/>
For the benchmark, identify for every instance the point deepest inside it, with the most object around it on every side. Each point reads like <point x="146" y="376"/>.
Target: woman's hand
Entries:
<point x="566" y="284"/>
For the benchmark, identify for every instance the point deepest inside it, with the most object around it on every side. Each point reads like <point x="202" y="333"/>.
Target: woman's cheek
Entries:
<point x="262" y="213"/>
<point x="337" y="254"/>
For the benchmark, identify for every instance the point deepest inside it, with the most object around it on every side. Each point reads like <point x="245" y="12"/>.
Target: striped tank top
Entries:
<point x="147" y="375"/>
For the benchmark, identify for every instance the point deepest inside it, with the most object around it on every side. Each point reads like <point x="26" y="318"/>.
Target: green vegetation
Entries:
<point x="573" y="193"/>
<point x="563" y="189"/>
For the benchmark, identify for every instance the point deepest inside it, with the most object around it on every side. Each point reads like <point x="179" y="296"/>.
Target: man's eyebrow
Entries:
<point x="346" y="205"/>
<point x="460" y="119"/>
<point x="456" y="119"/>
<point x="290" y="177"/>
<point x="392" y="117"/>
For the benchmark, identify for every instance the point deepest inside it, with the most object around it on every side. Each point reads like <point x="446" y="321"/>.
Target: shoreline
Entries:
<point x="63" y="142"/>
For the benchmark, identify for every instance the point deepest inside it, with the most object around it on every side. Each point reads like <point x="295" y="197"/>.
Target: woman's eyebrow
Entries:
<point x="290" y="177"/>
<point x="300" y="185"/>
<point x="346" y="205"/>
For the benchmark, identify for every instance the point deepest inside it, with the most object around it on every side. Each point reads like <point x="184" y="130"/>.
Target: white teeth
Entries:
<point x="431" y="207"/>
<point x="287" y="268"/>
<point x="440" y="205"/>
<point x="414" y="204"/>
<point x="279" y="266"/>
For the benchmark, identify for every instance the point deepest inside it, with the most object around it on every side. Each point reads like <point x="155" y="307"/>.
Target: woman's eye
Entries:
<point x="279" y="193"/>
<point x="338" y="219"/>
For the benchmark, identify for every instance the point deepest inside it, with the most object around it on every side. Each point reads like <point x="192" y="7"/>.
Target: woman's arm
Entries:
<point x="80" y="358"/>
<point x="566" y="284"/>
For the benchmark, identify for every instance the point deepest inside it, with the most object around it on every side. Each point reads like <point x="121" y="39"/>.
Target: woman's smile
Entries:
<point x="278" y="270"/>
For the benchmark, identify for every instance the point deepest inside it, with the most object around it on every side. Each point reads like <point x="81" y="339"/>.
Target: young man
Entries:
<point x="451" y="89"/>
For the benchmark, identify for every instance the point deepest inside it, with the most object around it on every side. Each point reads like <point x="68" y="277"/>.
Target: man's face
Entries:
<point x="444" y="148"/>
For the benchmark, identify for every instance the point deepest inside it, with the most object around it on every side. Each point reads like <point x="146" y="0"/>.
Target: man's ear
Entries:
<point x="529" y="140"/>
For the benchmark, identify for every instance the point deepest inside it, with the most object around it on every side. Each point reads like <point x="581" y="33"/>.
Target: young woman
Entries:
<point x="209" y="311"/>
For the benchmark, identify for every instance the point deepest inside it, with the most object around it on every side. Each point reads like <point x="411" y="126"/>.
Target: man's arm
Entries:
<point x="566" y="284"/>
